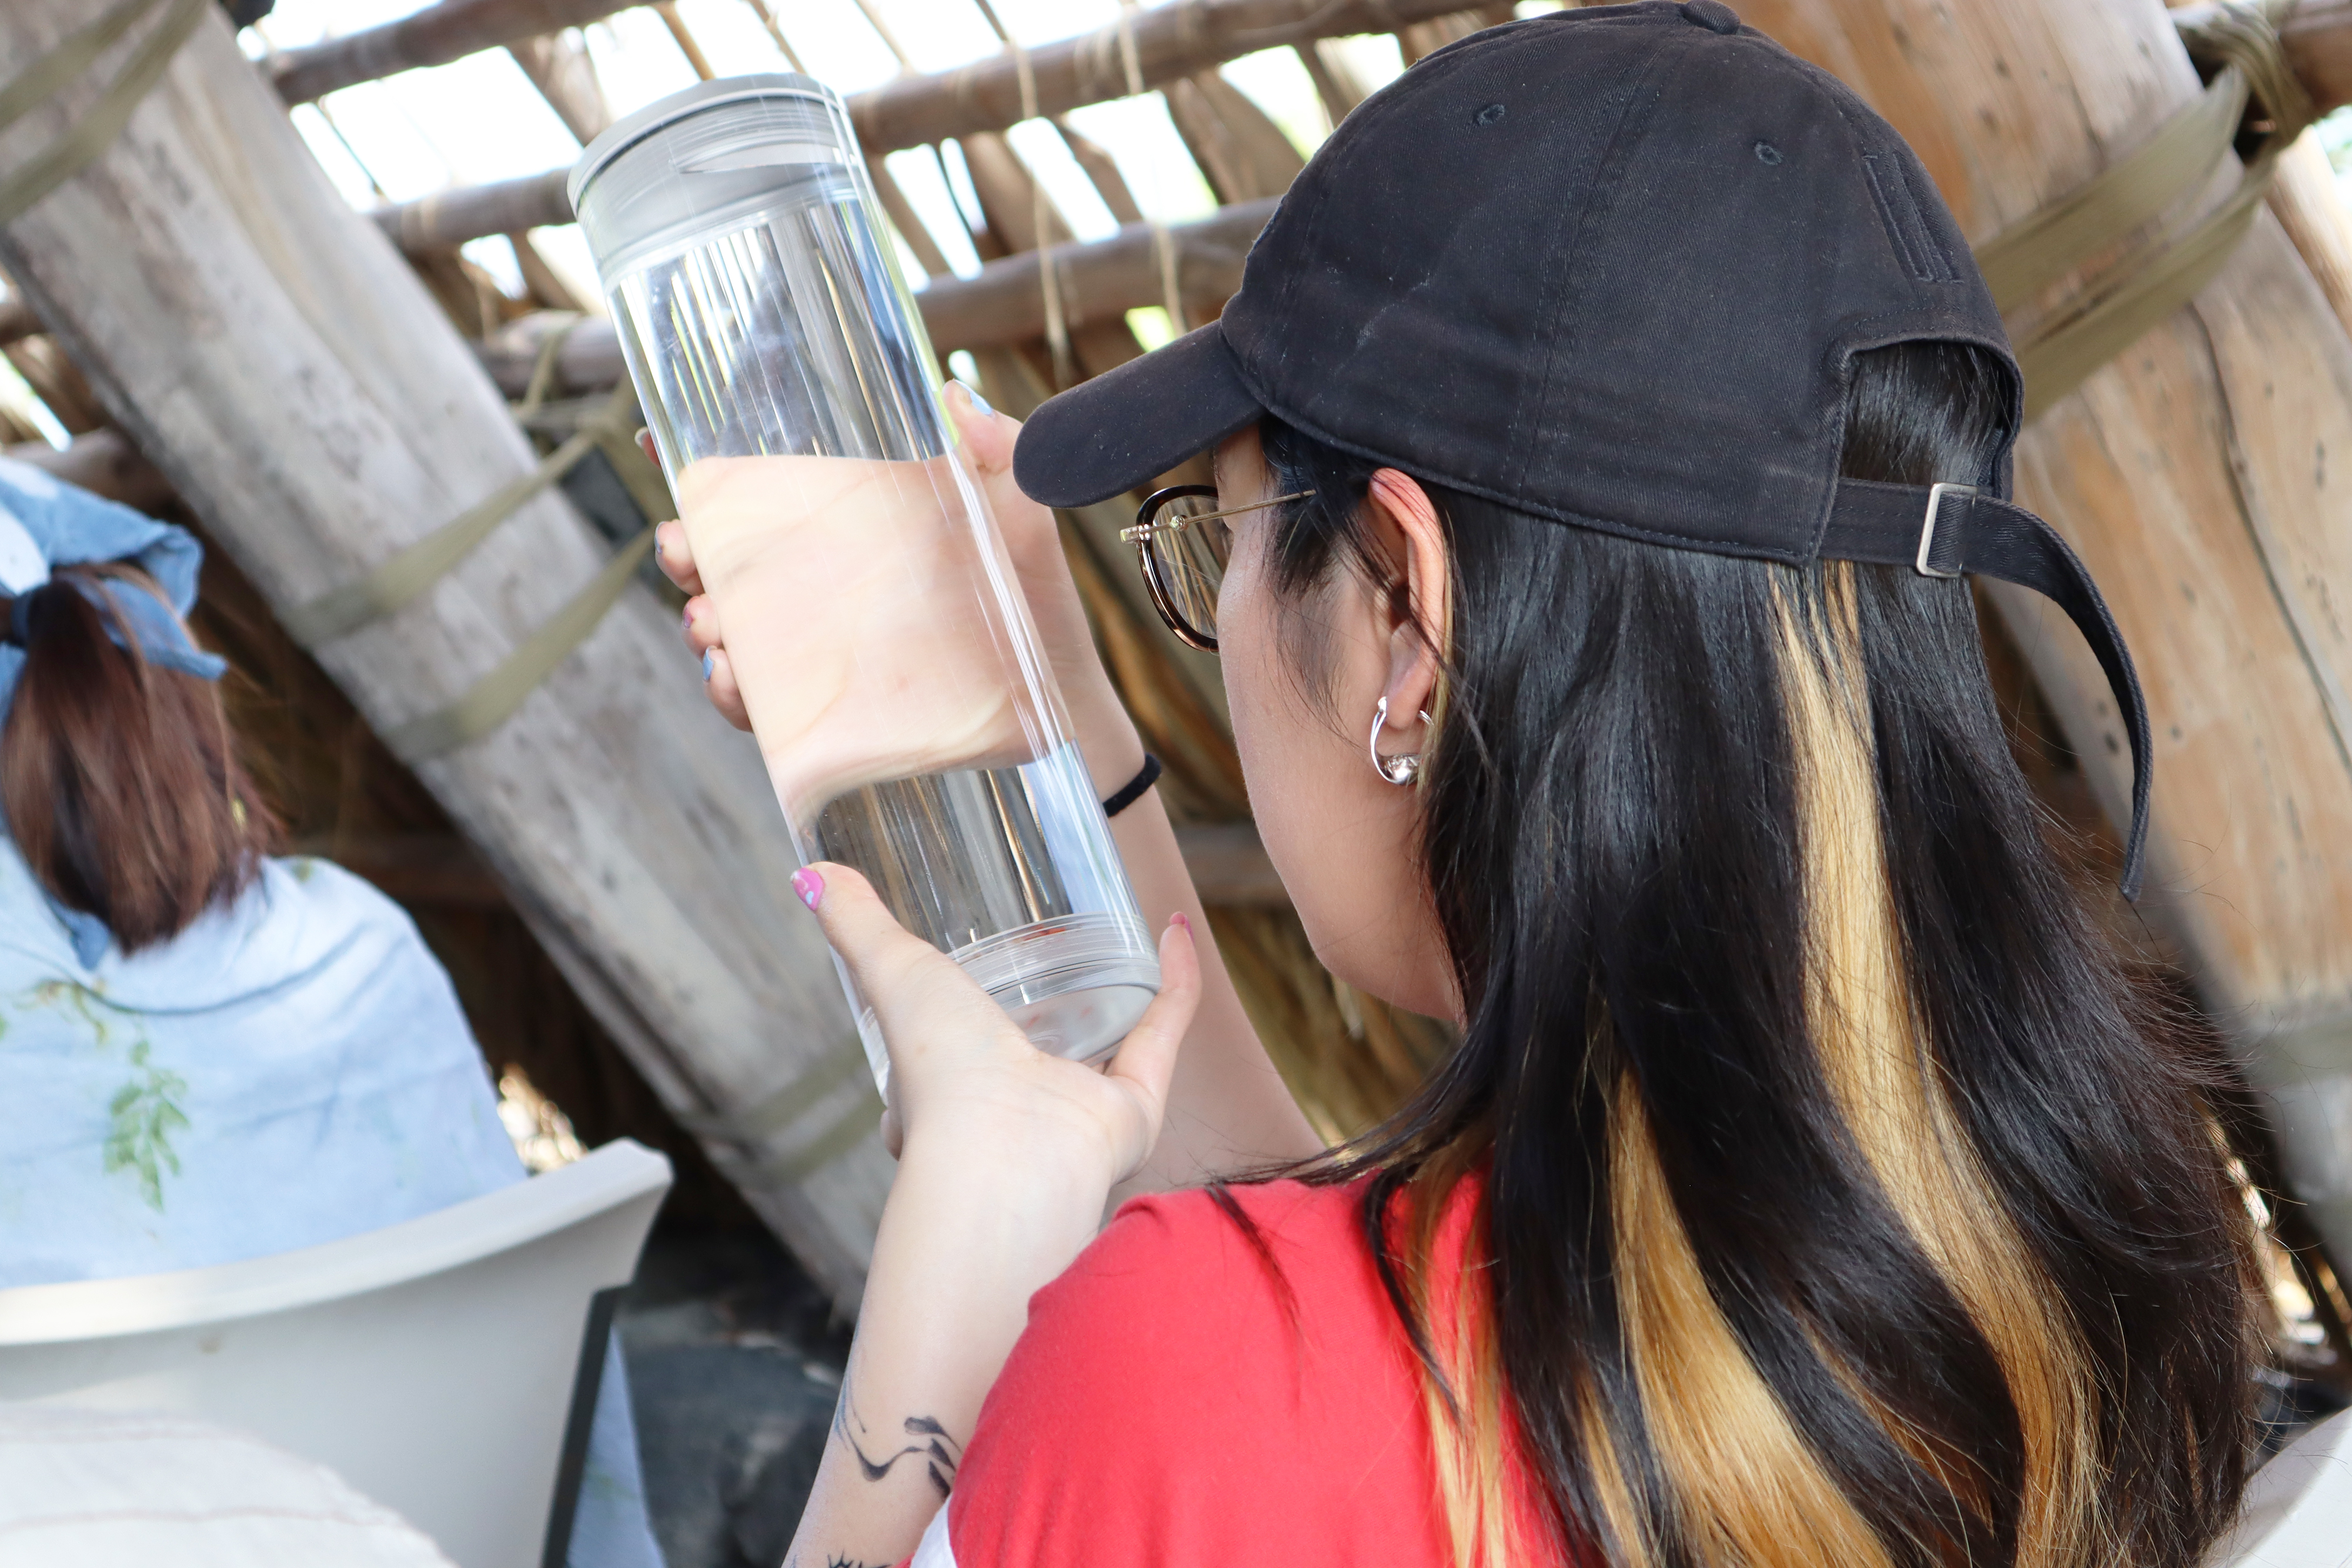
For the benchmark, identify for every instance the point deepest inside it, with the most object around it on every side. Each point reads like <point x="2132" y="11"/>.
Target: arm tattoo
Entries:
<point x="938" y="1453"/>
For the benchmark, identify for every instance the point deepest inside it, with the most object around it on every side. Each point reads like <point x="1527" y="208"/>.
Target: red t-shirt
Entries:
<point x="1168" y="1405"/>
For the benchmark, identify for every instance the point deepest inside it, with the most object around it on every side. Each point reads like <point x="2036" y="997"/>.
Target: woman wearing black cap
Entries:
<point x="1603" y="432"/>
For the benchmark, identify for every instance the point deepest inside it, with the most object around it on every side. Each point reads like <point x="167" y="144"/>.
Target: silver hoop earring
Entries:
<point x="1401" y="769"/>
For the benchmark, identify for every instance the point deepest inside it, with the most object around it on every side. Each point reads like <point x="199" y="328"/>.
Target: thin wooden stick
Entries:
<point x="558" y="65"/>
<point x="667" y="11"/>
<point x="775" y="32"/>
<point x="881" y="25"/>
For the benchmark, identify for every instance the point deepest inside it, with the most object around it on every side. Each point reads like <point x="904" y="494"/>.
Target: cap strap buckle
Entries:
<point x="1935" y="493"/>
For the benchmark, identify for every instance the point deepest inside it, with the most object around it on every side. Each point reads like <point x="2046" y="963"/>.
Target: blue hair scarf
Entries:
<point x="46" y="523"/>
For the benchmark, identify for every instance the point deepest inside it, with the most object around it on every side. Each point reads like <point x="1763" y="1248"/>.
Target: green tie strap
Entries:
<point x="340" y="612"/>
<point x="90" y="136"/>
<point x="493" y="699"/>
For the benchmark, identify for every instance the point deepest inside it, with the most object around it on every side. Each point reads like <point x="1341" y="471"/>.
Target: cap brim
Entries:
<point x="1129" y="425"/>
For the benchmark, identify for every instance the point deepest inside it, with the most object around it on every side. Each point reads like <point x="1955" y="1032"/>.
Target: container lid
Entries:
<point x="631" y="129"/>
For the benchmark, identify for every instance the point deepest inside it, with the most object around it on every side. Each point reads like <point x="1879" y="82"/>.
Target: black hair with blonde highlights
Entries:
<point x="1847" y="1201"/>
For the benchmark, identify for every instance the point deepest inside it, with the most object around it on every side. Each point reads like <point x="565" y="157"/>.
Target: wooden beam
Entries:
<point x="1171" y="42"/>
<point x="558" y="65"/>
<point x="667" y="11"/>
<point x="1101" y="281"/>
<point x="104" y="463"/>
<point x="2193" y="475"/>
<point x="280" y="363"/>
<point x="433" y="36"/>
<point x="2318" y="39"/>
<point x="448" y="219"/>
<point x="1003" y="305"/>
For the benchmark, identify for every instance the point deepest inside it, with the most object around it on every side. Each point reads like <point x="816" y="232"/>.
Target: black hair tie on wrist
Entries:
<point x="1132" y="790"/>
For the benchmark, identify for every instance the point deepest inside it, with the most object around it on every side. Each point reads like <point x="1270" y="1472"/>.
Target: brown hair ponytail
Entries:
<point x="119" y="784"/>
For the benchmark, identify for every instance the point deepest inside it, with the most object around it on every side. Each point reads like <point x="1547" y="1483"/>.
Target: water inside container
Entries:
<point x="765" y="340"/>
<point x="1011" y="871"/>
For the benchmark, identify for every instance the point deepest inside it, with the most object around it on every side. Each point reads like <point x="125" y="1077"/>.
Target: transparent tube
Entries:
<point x="896" y="685"/>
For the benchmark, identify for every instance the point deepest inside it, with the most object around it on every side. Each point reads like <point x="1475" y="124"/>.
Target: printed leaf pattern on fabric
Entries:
<point x="144" y="1115"/>
<point x="146" y="1111"/>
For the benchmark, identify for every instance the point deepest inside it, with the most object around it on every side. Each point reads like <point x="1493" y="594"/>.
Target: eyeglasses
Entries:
<point x="1182" y="547"/>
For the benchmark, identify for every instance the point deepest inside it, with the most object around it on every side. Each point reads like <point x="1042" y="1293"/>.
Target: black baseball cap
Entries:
<point x="1609" y="268"/>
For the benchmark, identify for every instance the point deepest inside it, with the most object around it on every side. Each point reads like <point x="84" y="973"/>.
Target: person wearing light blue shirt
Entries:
<point x="206" y="1053"/>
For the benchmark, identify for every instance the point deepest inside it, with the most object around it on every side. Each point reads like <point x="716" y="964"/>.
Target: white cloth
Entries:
<point x="89" y="1489"/>
<point x="934" y="1550"/>
<point x="2298" y="1508"/>
<point x="288" y="1070"/>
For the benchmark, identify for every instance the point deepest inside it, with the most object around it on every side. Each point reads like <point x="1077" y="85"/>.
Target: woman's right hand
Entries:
<point x="1032" y="539"/>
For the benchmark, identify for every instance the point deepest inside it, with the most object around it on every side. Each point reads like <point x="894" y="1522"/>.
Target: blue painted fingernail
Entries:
<point x="979" y="403"/>
<point x="687" y="619"/>
<point x="706" y="667"/>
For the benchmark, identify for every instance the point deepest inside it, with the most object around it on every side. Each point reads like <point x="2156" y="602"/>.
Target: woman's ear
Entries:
<point x="1420" y="591"/>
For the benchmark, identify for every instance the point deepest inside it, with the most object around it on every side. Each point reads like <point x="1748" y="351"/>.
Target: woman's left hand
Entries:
<point x="1009" y="1157"/>
<point x="961" y="1073"/>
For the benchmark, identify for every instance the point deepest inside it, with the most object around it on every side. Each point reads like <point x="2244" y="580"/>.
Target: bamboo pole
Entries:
<point x="433" y="36"/>
<point x="1171" y="42"/>
<point x="2318" y="39"/>
<point x="667" y="11"/>
<point x="2192" y="473"/>
<point x="558" y="65"/>
<point x="448" y="219"/>
<point x="261" y="343"/>
<point x="2311" y="208"/>
<point x="1243" y="153"/>
<point x="18" y="321"/>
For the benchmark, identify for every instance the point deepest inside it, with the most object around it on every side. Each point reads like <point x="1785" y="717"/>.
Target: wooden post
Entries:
<point x="279" y="361"/>
<point x="2202" y="476"/>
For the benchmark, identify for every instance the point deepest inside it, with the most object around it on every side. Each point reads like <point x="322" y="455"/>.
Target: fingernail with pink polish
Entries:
<point x="809" y="885"/>
<point x="687" y="618"/>
<point x="1182" y="921"/>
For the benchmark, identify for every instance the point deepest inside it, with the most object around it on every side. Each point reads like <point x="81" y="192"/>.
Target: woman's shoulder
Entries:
<point x="1260" y="1249"/>
<point x="1219" y="1378"/>
<point x="324" y="885"/>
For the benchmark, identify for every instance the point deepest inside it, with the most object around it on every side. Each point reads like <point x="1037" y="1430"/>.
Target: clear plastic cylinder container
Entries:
<point x="895" y="683"/>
